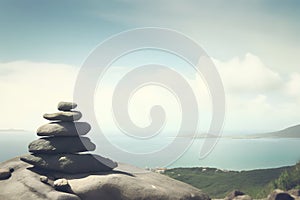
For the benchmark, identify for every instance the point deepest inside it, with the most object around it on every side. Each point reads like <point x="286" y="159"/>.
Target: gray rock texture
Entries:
<point x="66" y="116"/>
<point x="70" y="163"/>
<point x="280" y="195"/>
<point x="66" y="106"/>
<point x="55" y="145"/>
<point x="237" y="195"/>
<point x="242" y="197"/>
<point x="295" y="192"/>
<point x="62" y="184"/>
<point x="44" y="179"/>
<point x="64" y="129"/>
<point x="25" y="184"/>
<point x="4" y="174"/>
<point x="121" y="183"/>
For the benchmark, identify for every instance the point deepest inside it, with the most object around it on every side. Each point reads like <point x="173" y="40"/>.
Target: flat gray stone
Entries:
<point x="4" y="174"/>
<point x="66" y="116"/>
<point x="70" y="163"/>
<point x="64" y="129"/>
<point x="66" y="106"/>
<point x="54" y="145"/>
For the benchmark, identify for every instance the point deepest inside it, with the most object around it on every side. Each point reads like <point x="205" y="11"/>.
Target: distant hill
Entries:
<point x="291" y="132"/>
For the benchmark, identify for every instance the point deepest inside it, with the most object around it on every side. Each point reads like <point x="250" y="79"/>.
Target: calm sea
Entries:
<point x="233" y="154"/>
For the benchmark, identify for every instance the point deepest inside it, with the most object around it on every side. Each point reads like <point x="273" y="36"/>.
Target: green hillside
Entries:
<point x="217" y="183"/>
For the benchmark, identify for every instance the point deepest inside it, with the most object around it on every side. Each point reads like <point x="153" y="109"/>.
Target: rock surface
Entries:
<point x="66" y="106"/>
<point x="25" y="184"/>
<point x="44" y="179"/>
<point x="280" y="195"/>
<point x="54" y="145"/>
<point x="294" y="192"/>
<point x="4" y="174"/>
<point x="66" y="116"/>
<point x="242" y="197"/>
<point x="70" y="163"/>
<point x="62" y="185"/>
<point x="237" y="195"/>
<point x="233" y="194"/>
<point x="64" y="129"/>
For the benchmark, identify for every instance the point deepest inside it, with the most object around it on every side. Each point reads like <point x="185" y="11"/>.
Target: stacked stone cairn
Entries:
<point x="62" y="143"/>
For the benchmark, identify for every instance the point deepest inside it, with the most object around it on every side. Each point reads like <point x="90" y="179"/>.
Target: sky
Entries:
<point x="255" y="46"/>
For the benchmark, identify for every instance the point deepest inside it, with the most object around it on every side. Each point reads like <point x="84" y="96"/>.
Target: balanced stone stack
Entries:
<point x="62" y="142"/>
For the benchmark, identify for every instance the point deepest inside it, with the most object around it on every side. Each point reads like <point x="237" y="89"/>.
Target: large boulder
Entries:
<point x="280" y="195"/>
<point x="294" y="192"/>
<point x="237" y="195"/>
<point x="70" y="163"/>
<point x="125" y="182"/>
<point x="54" y="145"/>
<point x="64" y="129"/>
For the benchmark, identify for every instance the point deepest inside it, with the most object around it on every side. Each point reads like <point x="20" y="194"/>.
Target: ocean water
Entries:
<point x="14" y="144"/>
<point x="246" y="154"/>
<point x="232" y="154"/>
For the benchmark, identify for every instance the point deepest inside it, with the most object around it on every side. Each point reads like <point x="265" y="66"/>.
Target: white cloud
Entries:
<point x="30" y="89"/>
<point x="246" y="75"/>
<point x="293" y="85"/>
<point x="258" y="98"/>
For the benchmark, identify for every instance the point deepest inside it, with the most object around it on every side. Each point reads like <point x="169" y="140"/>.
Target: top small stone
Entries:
<point x="66" y="106"/>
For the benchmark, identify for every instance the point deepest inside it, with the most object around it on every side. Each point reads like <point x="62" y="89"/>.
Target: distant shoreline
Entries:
<point x="13" y="130"/>
<point x="290" y="132"/>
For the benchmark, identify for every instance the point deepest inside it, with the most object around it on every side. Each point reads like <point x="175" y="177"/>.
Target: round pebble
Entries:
<point x="44" y="179"/>
<point x="61" y="184"/>
<point x="4" y="174"/>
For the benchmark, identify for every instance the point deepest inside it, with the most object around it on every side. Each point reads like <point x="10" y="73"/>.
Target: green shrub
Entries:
<point x="289" y="179"/>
